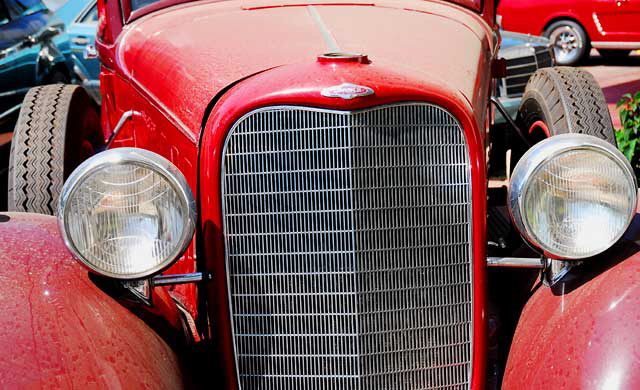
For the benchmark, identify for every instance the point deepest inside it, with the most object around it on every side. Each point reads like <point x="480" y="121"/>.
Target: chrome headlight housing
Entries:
<point x="573" y="196"/>
<point x="126" y="213"/>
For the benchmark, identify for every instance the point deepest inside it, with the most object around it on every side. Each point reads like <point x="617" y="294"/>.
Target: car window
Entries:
<point x="91" y="16"/>
<point x="137" y="4"/>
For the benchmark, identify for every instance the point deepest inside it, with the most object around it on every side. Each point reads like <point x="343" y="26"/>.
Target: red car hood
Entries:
<point x="185" y="55"/>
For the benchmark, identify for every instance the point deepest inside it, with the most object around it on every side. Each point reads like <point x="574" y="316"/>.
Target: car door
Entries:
<point x="617" y="20"/>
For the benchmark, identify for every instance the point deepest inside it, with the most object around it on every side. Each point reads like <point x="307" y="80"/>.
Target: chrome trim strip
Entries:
<point x="315" y="110"/>
<point x="616" y="45"/>
<point x="596" y="20"/>
<point x="515" y="262"/>
<point x="170" y="280"/>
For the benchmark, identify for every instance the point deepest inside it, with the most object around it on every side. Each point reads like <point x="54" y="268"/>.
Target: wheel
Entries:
<point x="564" y="100"/>
<point x="569" y="41"/>
<point x="58" y="128"/>
<point x="615" y="55"/>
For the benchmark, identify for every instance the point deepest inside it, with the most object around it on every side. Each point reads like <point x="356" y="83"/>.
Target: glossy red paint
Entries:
<point x="160" y="70"/>
<point x="583" y="333"/>
<point x="485" y="8"/>
<point x="149" y="75"/>
<point x="151" y="130"/>
<point x="603" y="20"/>
<point x="301" y="85"/>
<point x="58" y="330"/>
<point x="163" y="50"/>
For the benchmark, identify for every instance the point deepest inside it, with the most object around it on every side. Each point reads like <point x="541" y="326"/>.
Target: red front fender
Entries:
<point x="585" y="332"/>
<point x="58" y="330"/>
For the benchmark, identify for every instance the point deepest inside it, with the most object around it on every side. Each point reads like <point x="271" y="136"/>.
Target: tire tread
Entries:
<point x="574" y="104"/>
<point x="36" y="162"/>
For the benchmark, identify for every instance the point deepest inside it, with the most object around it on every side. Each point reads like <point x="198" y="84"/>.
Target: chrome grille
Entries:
<point x="349" y="248"/>
<point x="520" y="68"/>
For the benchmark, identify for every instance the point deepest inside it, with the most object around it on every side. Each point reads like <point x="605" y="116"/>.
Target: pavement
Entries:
<point x="615" y="79"/>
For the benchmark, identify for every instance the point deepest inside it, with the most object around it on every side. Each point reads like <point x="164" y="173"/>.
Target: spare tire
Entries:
<point x="564" y="100"/>
<point x="58" y="128"/>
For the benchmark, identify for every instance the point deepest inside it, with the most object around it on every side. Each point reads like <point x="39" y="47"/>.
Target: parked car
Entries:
<point x="19" y="19"/>
<point x="524" y="55"/>
<point x="77" y="43"/>
<point x="288" y="212"/>
<point x="53" y="54"/>
<point x="575" y="26"/>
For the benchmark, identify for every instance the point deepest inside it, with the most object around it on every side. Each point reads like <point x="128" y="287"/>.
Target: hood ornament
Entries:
<point x="347" y="91"/>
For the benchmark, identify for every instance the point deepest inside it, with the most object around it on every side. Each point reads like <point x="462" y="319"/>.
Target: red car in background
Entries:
<point x="575" y="26"/>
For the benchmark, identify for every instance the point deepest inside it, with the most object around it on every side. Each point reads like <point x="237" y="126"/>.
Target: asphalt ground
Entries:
<point x="615" y="78"/>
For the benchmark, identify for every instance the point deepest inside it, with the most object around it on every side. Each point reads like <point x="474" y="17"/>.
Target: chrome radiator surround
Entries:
<point x="348" y="248"/>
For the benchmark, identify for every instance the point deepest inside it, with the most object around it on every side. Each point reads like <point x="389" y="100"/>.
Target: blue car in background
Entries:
<point x="62" y="51"/>
<point x="20" y="19"/>
<point x="77" y="43"/>
<point x="46" y="48"/>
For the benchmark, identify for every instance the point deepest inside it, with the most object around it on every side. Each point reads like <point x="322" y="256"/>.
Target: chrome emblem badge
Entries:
<point x="347" y="91"/>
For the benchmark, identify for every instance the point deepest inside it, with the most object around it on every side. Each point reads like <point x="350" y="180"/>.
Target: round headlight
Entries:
<point x="572" y="196"/>
<point x="126" y="213"/>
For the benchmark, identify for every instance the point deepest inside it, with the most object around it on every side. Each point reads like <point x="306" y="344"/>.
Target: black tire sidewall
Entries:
<point x="84" y="117"/>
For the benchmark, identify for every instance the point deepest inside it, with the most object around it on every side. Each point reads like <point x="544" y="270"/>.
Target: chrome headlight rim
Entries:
<point x="142" y="158"/>
<point x="536" y="158"/>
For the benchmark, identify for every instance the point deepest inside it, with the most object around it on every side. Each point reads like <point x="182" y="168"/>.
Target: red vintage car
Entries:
<point x="280" y="194"/>
<point x="575" y="26"/>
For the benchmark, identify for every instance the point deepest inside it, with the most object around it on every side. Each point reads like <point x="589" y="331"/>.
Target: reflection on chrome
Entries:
<point x="573" y="196"/>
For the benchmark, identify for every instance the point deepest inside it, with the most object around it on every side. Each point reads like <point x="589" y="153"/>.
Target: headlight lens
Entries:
<point x="573" y="196"/>
<point x="127" y="213"/>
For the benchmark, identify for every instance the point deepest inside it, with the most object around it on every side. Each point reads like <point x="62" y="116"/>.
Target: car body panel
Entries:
<point x="150" y="129"/>
<point x="133" y="9"/>
<point x="58" y="329"/>
<point x="151" y="51"/>
<point x="183" y="109"/>
<point x="607" y="21"/>
<point x="583" y="332"/>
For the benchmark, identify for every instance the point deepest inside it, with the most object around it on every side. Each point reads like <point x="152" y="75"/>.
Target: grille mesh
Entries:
<point x="348" y="248"/>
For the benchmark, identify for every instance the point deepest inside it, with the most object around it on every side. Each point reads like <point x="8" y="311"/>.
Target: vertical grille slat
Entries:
<point x="348" y="239"/>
